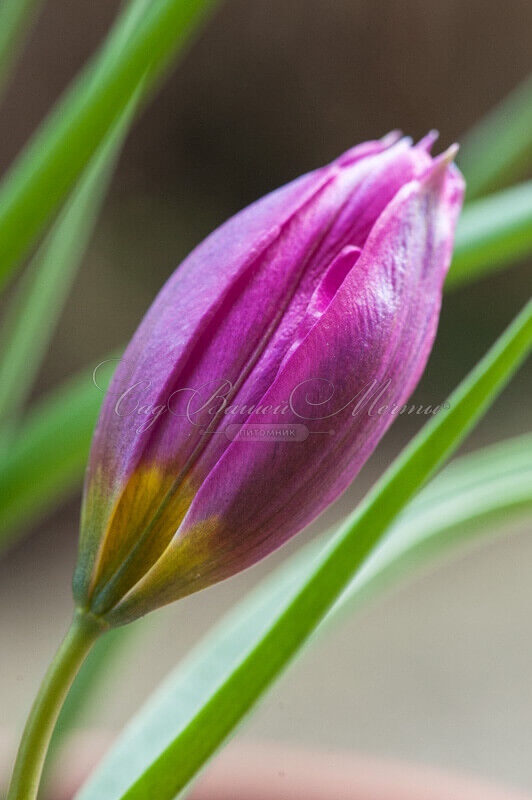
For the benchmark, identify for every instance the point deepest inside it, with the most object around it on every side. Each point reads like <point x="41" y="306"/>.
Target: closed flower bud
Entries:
<point x="264" y="375"/>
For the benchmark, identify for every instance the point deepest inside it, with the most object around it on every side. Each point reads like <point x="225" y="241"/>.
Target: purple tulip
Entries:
<point x="264" y="375"/>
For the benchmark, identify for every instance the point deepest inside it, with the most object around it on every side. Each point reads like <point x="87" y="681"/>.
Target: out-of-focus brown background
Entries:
<point x="439" y="671"/>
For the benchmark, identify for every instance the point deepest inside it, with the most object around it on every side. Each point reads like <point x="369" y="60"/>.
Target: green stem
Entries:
<point x="75" y="647"/>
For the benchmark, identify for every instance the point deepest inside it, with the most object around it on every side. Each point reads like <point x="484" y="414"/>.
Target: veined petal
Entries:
<point x="222" y="324"/>
<point x="365" y="350"/>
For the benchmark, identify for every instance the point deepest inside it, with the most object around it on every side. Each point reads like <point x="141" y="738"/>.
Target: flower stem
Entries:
<point x="75" y="647"/>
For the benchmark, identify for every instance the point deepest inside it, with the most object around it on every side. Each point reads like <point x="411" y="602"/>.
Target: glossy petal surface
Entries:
<point x="288" y="321"/>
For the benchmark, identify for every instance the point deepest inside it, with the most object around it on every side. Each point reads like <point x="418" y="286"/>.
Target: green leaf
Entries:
<point x="36" y="306"/>
<point x="461" y="505"/>
<point x="16" y="18"/>
<point x="490" y="485"/>
<point x="48" y="167"/>
<point x="167" y="744"/>
<point x="47" y="457"/>
<point x="495" y="151"/>
<point x="491" y="234"/>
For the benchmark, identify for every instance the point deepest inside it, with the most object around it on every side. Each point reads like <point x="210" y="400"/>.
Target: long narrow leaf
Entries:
<point x="16" y="18"/>
<point x="50" y="164"/>
<point x="47" y="457"/>
<point x="157" y="758"/>
<point x="493" y="484"/>
<point x="34" y="311"/>
<point x="495" y="151"/>
<point x="491" y="234"/>
<point x="464" y="503"/>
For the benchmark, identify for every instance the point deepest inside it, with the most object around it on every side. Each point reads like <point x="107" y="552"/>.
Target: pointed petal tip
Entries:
<point x="392" y="137"/>
<point x="440" y="165"/>
<point x="427" y="142"/>
<point x="448" y="156"/>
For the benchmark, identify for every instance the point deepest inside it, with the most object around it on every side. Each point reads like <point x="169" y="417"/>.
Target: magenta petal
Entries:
<point x="187" y="317"/>
<point x="226" y="319"/>
<point x="355" y="354"/>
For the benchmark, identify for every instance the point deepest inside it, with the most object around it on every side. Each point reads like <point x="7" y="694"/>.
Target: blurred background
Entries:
<point x="438" y="671"/>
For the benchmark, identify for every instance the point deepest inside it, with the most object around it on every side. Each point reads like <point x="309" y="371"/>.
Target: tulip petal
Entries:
<point x="203" y="333"/>
<point x="376" y="331"/>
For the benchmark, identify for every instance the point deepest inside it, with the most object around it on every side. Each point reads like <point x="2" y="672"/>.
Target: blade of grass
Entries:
<point x="491" y="234"/>
<point x="462" y="505"/>
<point x="158" y="762"/>
<point x="49" y="165"/>
<point x="127" y="22"/>
<point x="494" y="152"/>
<point x="33" y="313"/>
<point x="16" y="19"/>
<point x="413" y="541"/>
<point x="47" y="457"/>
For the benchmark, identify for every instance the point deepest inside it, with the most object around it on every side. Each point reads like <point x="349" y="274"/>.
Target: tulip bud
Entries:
<point x="264" y="374"/>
